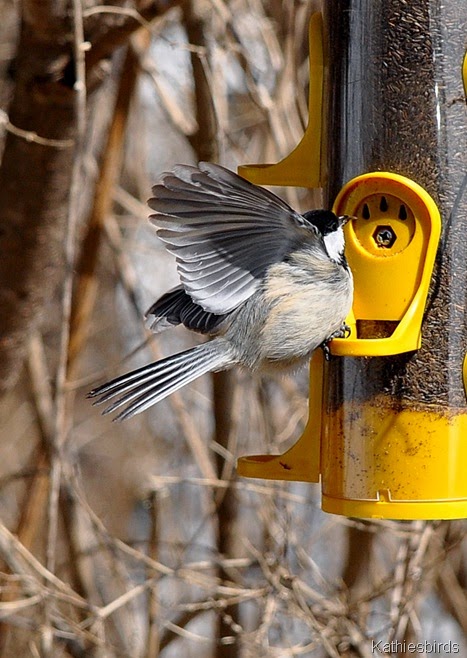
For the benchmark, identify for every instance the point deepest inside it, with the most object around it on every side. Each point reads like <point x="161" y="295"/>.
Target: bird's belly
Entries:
<point x="301" y="319"/>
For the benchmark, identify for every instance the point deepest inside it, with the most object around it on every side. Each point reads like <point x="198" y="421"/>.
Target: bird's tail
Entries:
<point x="142" y="388"/>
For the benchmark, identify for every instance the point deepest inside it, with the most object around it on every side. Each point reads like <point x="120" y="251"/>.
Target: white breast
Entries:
<point x="335" y="243"/>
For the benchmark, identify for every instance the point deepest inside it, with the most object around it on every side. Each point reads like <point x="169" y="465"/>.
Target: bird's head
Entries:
<point x="330" y="226"/>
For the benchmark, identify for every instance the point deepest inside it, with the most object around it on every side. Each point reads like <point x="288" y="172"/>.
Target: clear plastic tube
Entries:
<point x="396" y="103"/>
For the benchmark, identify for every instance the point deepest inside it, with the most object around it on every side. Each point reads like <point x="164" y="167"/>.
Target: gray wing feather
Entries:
<point x="176" y="307"/>
<point x="224" y="232"/>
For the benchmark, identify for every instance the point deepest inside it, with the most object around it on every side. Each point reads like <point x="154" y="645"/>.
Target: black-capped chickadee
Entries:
<point x="268" y="284"/>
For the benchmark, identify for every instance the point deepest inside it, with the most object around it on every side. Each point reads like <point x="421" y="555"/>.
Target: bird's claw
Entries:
<point x="344" y="331"/>
<point x="326" y="350"/>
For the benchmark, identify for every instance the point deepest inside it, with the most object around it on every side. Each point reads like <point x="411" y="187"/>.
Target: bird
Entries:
<point x="267" y="284"/>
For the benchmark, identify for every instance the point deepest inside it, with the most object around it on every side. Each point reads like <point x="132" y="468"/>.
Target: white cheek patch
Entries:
<point x="335" y="243"/>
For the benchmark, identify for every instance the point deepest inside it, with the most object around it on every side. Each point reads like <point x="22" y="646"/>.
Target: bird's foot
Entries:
<point x="344" y="331"/>
<point x="326" y="351"/>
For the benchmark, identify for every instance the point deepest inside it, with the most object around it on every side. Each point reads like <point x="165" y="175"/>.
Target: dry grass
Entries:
<point x="138" y="540"/>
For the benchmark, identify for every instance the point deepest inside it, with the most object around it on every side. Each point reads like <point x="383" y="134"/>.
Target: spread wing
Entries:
<point x="177" y="307"/>
<point x="224" y="231"/>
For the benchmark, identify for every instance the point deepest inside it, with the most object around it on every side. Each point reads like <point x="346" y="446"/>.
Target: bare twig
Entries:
<point x="195" y="442"/>
<point x="153" y="637"/>
<point x="108" y="174"/>
<point x="31" y="136"/>
<point x="22" y="562"/>
<point x="205" y="140"/>
<point x="418" y="545"/>
<point x="60" y="416"/>
<point x="107" y="37"/>
<point x="66" y="306"/>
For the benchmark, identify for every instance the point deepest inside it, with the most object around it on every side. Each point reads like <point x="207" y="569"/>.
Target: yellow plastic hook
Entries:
<point x="302" y="167"/>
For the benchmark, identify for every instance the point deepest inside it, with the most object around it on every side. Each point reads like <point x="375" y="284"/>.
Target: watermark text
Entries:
<point x="425" y="647"/>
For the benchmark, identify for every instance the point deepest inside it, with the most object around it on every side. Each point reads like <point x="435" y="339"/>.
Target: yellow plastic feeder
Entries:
<point x="375" y="457"/>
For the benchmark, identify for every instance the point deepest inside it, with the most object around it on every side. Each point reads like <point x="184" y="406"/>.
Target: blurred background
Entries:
<point x="137" y="539"/>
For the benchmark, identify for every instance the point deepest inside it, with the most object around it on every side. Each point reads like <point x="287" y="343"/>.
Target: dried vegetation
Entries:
<point x="138" y="540"/>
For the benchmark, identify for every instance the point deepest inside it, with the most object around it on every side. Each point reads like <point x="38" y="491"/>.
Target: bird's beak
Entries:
<point x="343" y="219"/>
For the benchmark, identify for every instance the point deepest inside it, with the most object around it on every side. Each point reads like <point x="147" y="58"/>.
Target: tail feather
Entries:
<point x="142" y="388"/>
<point x="137" y="377"/>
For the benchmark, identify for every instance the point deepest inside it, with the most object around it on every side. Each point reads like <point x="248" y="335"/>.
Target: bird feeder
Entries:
<point x="387" y="429"/>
